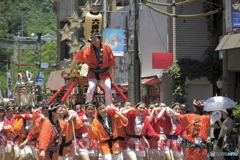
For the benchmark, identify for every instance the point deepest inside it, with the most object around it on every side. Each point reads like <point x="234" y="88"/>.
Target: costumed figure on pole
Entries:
<point x="30" y="93"/>
<point x="20" y="89"/>
<point x="99" y="57"/>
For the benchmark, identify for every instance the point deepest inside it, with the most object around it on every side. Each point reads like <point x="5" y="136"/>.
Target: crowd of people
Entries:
<point x="122" y="131"/>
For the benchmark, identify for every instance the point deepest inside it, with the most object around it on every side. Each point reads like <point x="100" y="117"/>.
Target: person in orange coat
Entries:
<point x="99" y="57"/>
<point x="67" y="148"/>
<point x="105" y="129"/>
<point x="86" y="149"/>
<point x="50" y="136"/>
<point x="11" y="142"/>
<point x="197" y="126"/>
<point x="21" y="127"/>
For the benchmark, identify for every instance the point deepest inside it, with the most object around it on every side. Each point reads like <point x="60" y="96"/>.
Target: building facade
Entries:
<point x="184" y="37"/>
<point x="229" y="48"/>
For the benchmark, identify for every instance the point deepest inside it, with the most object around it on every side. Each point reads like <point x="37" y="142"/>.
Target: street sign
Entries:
<point x="39" y="79"/>
<point x="44" y="65"/>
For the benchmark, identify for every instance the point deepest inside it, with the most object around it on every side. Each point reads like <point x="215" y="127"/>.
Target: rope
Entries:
<point x="170" y="4"/>
<point x="183" y="16"/>
<point x="74" y="137"/>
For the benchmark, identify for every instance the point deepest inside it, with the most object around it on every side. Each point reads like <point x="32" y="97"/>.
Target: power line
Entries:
<point x="212" y="4"/>
<point x="157" y="29"/>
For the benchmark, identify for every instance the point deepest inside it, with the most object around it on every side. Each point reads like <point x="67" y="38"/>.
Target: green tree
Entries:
<point x="32" y="16"/>
<point x="36" y="16"/>
<point x="48" y="55"/>
<point x="7" y="18"/>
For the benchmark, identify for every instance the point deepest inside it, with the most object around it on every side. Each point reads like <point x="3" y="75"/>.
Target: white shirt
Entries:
<point x="1" y="124"/>
<point x="138" y="125"/>
<point x="106" y="121"/>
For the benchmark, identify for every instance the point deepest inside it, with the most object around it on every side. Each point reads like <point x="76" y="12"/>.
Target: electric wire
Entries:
<point x="157" y="29"/>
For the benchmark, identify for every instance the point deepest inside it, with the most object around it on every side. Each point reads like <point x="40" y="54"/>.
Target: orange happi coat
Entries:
<point x="100" y="133"/>
<point x="46" y="138"/>
<point x="68" y="151"/>
<point x="17" y="128"/>
<point x="7" y="127"/>
<point x="199" y="124"/>
<point x="47" y="135"/>
<point x="88" y="56"/>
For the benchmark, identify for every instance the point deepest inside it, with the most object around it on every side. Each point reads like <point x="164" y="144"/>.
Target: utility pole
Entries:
<point x="18" y="44"/>
<point x="134" y="72"/>
<point x="105" y="19"/>
<point x="39" y="40"/>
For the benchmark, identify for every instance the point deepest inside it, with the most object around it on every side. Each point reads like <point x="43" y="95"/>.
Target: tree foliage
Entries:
<point x="36" y="16"/>
<point x="48" y="55"/>
<point x="27" y="17"/>
<point x="193" y="69"/>
<point x="7" y="18"/>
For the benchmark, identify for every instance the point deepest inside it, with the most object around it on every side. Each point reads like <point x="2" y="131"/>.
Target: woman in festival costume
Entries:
<point x="86" y="149"/>
<point x="197" y="127"/>
<point x="67" y="148"/>
<point x="35" y="128"/>
<point x="50" y="136"/>
<point x="162" y="123"/>
<point x="176" y="144"/>
<point x="122" y="131"/>
<point x="105" y="129"/>
<point x="152" y="113"/>
<point x="11" y="136"/>
<point x="79" y="109"/>
<point x="3" y="140"/>
<point x="21" y="127"/>
<point x="138" y="127"/>
<point x="18" y="128"/>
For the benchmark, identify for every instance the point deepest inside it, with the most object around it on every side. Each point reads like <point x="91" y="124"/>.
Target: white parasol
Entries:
<point x="218" y="103"/>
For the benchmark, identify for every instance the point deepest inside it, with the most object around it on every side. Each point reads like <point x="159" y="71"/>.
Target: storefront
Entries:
<point x="150" y="89"/>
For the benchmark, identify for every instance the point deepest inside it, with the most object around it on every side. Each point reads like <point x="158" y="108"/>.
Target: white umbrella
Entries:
<point x="218" y="103"/>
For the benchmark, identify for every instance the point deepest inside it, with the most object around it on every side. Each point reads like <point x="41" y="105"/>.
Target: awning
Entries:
<point x="229" y="42"/>
<point x="55" y="79"/>
<point x="124" y="89"/>
<point x="146" y="80"/>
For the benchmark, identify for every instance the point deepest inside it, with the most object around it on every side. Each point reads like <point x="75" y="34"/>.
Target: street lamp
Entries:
<point x="39" y="78"/>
